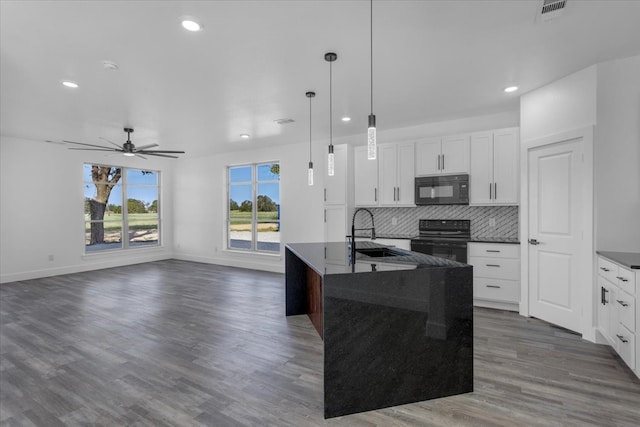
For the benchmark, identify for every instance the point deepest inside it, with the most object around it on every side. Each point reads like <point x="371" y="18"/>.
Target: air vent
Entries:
<point x="283" y="121"/>
<point x="552" y="9"/>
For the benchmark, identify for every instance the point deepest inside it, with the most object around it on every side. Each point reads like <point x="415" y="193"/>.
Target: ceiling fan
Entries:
<point x="128" y="149"/>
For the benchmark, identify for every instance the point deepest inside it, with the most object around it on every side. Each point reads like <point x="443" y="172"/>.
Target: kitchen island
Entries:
<point x="397" y="325"/>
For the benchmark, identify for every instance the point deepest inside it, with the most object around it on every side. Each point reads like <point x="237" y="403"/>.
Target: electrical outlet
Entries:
<point x="492" y="222"/>
<point x="394" y="221"/>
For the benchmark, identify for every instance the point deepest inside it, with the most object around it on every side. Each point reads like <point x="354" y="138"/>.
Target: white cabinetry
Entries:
<point x="338" y="193"/>
<point x="366" y="178"/>
<point x="496" y="275"/>
<point x="396" y="177"/>
<point x="449" y="154"/>
<point x="494" y="167"/>
<point x="618" y="310"/>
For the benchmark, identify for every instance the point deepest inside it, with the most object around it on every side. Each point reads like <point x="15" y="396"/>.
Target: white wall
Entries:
<point x="42" y="211"/>
<point x="200" y="204"/>
<point x="617" y="156"/>
<point x="566" y="104"/>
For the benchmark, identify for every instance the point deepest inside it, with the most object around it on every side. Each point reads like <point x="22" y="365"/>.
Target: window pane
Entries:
<point x="240" y="200"/>
<point x="240" y="235"/>
<point x="240" y="174"/>
<point x="269" y="236"/>
<point x="103" y="235"/>
<point x="142" y="199"/>
<point x="143" y="231"/>
<point x="269" y="172"/>
<point x="104" y="173"/>
<point x="142" y="177"/>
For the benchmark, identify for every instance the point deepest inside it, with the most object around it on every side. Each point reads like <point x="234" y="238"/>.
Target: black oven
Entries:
<point x="442" y="190"/>
<point x="444" y="238"/>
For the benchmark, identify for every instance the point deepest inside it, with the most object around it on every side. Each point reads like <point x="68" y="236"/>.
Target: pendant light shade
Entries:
<point x="310" y="171"/>
<point x="330" y="57"/>
<point x="371" y="130"/>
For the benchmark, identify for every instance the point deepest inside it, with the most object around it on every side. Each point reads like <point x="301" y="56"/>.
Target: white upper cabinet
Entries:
<point x="396" y="174"/>
<point x="335" y="190"/>
<point x="494" y="167"/>
<point x="366" y="178"/>
<point x="449" y="154"/>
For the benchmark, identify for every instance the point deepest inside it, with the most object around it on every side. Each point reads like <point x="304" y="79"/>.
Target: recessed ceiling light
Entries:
<point x="191" y="25"/>
<point x="68" y="83"/>
<point x="346" y="119"/>
<point x="244" y="135"/>
<point x="511" y="89"/>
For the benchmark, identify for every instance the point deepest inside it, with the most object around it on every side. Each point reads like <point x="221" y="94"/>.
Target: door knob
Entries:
<point x="533" y="242"/>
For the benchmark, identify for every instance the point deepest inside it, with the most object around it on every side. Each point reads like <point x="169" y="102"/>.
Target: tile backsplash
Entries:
<point x="506" y="219"/>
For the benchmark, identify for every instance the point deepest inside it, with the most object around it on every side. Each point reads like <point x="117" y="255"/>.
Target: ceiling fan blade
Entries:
<point x="144" y="147"/>
<point x="88" y="145"/>
<point x="162" y="151"/>
<point x="159" y="155"/>
<point x="94" y="149"/>
<point x="110" y="142"/>
<point x="54" y="142"/>
<point x="142" y="157"/>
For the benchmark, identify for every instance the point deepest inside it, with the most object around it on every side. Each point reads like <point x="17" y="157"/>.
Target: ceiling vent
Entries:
<point x="283" y="121"/>
<point x="552" y="9"/>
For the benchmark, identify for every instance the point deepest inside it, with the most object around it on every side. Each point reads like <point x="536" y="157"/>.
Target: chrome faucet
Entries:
<point x="353" y="232"/>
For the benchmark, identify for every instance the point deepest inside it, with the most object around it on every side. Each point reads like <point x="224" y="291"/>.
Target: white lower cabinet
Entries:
<point x="496" y="275"/>
<point x="618" y="314"/>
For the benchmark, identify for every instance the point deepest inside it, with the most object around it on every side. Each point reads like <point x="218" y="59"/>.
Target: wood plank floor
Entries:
<point x="177" y="343"/>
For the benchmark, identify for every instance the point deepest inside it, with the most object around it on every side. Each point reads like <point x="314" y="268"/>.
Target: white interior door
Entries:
<point x="555" y="233"/>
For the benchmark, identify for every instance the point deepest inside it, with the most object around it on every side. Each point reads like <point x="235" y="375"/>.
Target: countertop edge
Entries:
<point x="622" y="258"/>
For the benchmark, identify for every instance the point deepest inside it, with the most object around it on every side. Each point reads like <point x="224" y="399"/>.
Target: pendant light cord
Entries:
<point x="371" y="39"/>
<point x="309" y="129"/>
<point x="331" y="103"/>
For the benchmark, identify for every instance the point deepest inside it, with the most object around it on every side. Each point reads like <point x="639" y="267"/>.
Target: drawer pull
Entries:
<point x="622" y="303"/>
<point x="493" y="265"/>
<point x="622" y="278"/>
<point x="621" y="338"/>
<point x="493" y="286"/>
<point x="493" y="250"/>
<point x="604" y="269"/>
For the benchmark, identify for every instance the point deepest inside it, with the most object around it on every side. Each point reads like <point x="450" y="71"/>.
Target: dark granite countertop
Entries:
<point x="333" y="258"/>
<point x="628" y="259"/>
<point x="492" y="239"/>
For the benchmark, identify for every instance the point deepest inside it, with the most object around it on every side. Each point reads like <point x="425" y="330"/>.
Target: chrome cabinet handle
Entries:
<point x="438" y="161"/>
<point x="622" y="303"/>
<point x="533" y="242"/>
<point x="443" y="162"/>
<point x="375" y="194"/>
<point x="325" y="194"/>
<point x="490" y="193"/>
<point x="622" y="278"/>
<point x="621" y="338"/>
<point x="492" y="250"/>
<point x="493" y="286"/>
<point x="493" y="265"/>
<point x="604" y="269"/>
<point x="398" y="193"/>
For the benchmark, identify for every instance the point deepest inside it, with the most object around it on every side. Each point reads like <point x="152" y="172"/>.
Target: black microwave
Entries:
<point x="442" y="190"/>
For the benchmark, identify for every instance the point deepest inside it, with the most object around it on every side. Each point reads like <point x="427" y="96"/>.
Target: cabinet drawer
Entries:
<point x="608" y="270"/>
<point x="626" y="346"/>
<point x="626" y="306"/>
<point x="500" y="250"/>
<point x="496" y="290"/>
<point x="496" y="268"/>
<point x="626" y="279"/>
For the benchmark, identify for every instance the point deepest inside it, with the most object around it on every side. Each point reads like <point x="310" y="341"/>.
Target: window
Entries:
<point x="108" y="218"/>
<point x="254" y="207"/>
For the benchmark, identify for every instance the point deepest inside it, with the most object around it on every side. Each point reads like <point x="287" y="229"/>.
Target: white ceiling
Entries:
<point x="254" y="61"/>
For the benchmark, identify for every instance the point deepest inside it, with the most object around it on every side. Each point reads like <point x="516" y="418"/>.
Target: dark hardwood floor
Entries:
<point x="177" y="343"/>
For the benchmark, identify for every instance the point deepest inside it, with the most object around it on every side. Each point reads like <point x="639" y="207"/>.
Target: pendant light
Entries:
<point x="310" y="173"/>
<point x="371" y="131"/>
<point x="330" y="57"/>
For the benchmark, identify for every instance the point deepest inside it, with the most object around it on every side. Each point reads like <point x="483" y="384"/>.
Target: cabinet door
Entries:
<point x="387" y="171"/>
<point x="335" y="223"/>
<point x="455" y="154"/>
<point x="366" y="178"/>
<point x="481" y="173"/>
<point x="428" y="153"/>
<point x="336" y="185"/>
<point x="604" y="320"/>
<point x="505" y="166"/>
<point x="406" y="174"/>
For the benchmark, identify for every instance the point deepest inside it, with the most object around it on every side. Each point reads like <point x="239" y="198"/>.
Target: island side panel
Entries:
<point x="392" y="338"/>
<point x="295" y="284"/>
<point x="314" y="299"/>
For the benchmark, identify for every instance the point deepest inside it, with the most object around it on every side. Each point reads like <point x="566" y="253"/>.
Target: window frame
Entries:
<point x="124" y="185"/>
<point x="254" y="207"/>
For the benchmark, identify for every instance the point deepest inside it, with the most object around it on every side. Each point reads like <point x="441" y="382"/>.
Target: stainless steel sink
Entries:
<point x="380" y="252"/>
